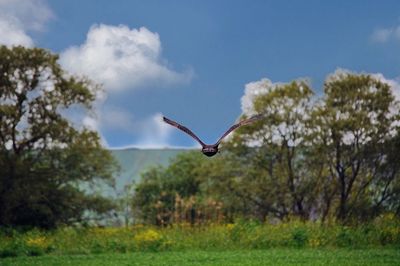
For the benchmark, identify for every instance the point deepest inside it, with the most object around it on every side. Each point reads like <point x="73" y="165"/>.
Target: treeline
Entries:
<point x="329" y="158"/>
<point x="333" y="157"/>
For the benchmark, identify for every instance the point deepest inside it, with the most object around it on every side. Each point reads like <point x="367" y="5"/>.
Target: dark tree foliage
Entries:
<point x="46" y="163"/>
<point x="155" y="196"/>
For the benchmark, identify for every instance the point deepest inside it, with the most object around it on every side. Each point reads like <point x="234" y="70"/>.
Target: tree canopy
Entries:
<point x="46" y="162"/>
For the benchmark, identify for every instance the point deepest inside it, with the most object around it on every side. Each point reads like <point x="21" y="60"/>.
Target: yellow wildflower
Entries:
<point x="149" y="235"/>
<point x="230" y="226"/>
<point x="314" y="242"/>
<point x="40" y="242"/>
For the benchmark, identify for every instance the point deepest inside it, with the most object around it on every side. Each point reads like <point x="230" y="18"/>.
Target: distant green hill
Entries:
<point x="134" y="161"/>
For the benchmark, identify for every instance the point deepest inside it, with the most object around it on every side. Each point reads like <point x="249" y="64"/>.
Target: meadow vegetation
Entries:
<point x="273" y="257"/>
<point x="384" y="231"/>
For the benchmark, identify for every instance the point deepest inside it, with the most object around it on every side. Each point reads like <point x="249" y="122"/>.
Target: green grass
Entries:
<point x="242" y="243"/>
<point x="243" y="235"/>
<point x="276" y="257"/>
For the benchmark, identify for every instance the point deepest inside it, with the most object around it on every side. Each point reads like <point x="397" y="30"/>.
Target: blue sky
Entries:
<point x="191" y="60"/>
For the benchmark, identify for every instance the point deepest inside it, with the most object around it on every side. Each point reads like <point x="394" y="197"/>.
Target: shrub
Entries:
<point x="344" y="237"/>
<point x="148" y="240"/>
<point x="299" y="237"/>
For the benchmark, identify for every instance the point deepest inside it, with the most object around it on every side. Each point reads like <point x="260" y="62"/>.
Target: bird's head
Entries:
<point x="209" y="150"/>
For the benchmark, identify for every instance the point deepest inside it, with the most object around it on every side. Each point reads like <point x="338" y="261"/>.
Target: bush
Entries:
<point x="148" y="240"/>
<point x="299" y="237"/>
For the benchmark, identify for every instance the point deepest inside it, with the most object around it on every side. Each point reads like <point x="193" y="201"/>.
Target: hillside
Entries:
<point x="134" y="161"/>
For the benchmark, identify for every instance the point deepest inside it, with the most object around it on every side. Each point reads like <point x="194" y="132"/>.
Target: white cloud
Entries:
<point x="117" y="120"/>
<point x="90" y="122"/>
<point x="393" y="83"/>
<point x="254" y="89"/>
<point x="384" y="35"/>
<point x="150" y="132"/>
<point x="18" y="17"/>
<point x="31" y="14"/>
<point x="155" y="133"/>
<point x="121" y="58"/>
<point x="381" y="35"/>
<point x="11" y="34"/>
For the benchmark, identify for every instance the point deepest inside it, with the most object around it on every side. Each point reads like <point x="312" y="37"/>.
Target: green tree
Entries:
<point x="46" y="162"/>
<point x="272" y="174"/>
<point x="149" y="192"/>
<point x="353" y="126"/>
<point x="156" y="195"/>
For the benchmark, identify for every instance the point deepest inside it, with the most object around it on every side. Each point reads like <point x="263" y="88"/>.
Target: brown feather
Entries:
<point x="211" y="150"/>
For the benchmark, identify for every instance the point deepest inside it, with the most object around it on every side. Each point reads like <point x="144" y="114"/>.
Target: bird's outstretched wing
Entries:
<point x="183" y="128"/>
<point x="241" y="123"/>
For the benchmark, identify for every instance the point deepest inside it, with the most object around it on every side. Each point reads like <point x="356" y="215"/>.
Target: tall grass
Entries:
<point x="384" y="231"/>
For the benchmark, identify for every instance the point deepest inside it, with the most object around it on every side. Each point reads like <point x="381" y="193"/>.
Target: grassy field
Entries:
<point x="242" y="243"/>
<point x="276" y="257"/>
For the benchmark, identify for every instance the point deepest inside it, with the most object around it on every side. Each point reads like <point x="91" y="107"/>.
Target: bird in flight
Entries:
<point x="207" y="149"/>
